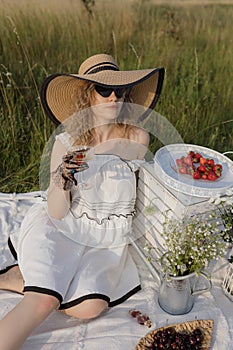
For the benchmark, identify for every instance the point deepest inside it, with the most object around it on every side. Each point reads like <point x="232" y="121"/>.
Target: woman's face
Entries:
<point x="106" y="109"/>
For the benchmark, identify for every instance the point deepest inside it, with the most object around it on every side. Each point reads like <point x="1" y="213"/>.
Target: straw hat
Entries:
<point x="58" y="90"/>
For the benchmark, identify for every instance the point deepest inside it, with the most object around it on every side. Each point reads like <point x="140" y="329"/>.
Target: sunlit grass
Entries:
<point x="39" y="38"/>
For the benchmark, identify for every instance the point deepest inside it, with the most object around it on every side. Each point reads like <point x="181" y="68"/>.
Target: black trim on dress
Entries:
<point x="102" y="297"/>
<point x="7" y="269"/>
<point x="83" y="298"/>
<point x="13" y="252"/>
<point x="125" y="297"/>
<point x="43" y="291"/>
<point x="12" y="249"/>
<point x="100" y="222"/>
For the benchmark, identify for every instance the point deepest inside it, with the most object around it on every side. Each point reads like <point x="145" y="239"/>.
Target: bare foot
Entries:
<point x="12" y="280"/>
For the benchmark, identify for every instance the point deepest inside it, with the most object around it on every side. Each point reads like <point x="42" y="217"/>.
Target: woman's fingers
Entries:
<point x="70" y="169"/>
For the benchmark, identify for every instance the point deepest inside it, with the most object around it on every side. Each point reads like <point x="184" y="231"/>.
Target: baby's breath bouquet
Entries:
<point x="225" y="206"/>
<point x="190" y="244"/>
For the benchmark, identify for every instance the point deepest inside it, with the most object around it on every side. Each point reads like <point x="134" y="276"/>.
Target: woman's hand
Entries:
<point x="63" y="177"/>
<point x="64" y="164"/>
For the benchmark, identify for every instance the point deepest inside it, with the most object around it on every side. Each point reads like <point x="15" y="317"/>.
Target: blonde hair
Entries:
<point x="80" y="124"/>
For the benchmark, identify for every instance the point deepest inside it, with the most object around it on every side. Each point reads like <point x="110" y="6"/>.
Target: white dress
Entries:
<point x="85" y="255"/>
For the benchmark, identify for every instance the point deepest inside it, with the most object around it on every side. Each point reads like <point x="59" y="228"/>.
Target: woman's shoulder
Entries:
<point x="139" y="135"/>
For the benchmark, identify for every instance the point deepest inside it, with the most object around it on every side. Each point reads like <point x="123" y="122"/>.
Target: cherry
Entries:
<point x="170" y="339"/>
<point x="134" y="313"/>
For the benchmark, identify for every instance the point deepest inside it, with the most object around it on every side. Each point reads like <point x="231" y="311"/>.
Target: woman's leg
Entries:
<point x="20" y="322"/>
<point x="89" y="308"/>
<point x="12" y="280"/>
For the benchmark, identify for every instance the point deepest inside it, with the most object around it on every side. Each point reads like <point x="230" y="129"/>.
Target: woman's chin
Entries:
<point x="107" y="111"/>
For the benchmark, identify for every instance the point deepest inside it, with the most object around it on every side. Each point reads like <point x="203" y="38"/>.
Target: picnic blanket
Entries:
<point x="115" y="329"/>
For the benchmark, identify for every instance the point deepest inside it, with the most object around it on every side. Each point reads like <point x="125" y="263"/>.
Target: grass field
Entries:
<point x="191" y="39"/>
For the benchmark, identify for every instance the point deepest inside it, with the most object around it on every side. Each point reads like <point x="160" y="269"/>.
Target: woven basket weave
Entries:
<point x="206" y="327"/>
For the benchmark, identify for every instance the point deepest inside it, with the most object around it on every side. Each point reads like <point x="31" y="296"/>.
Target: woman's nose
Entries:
<point x="112" y="97"/>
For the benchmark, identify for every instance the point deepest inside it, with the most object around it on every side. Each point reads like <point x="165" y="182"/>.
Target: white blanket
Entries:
<point x="114" y="329"/>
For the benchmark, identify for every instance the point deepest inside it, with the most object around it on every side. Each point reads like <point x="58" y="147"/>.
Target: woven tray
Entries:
<point x="206" y="327"/>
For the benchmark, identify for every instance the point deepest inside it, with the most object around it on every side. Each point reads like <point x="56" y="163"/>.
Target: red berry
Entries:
<point x="211" y="176"/>
<point x="183" y="170"/>
<point x="217" y="170"/>
<point x="197" y="156"/>
<point x="134" y="313"/>
<point x="219" y="166"/>
<point x="188" y="160"/>
<point x="202" y="160"/>
<point x="191" y="154"/>
<point x="202" y="169"/>
<point x="196" y="175"/>
<point x="179" y="162"/>
<point x="142" y="319"/>
<point x="192" y="340"/>
<point x="210" y="162"/>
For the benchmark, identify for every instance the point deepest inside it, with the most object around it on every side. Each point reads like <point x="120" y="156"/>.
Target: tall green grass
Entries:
<point x="194" y="43"/>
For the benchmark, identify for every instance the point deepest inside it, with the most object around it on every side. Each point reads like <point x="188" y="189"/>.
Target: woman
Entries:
<point x="72" y="250"/>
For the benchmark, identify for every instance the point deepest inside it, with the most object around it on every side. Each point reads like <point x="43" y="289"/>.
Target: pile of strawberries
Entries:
<point x="198" y="167"/>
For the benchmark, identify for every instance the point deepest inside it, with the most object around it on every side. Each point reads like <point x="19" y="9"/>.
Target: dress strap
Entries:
<point x="65" y="139"/>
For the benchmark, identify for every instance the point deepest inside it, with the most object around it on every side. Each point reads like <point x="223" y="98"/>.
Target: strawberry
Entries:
<point x="202" y="169"/>
<point x="203" y="161"/>
<point x="183" y="170"/>
<point x="217" y="170"/>
<point x="191" y="154"/>
<point x="188" y="160"/>
<point x="204" y="176"/>
<point x="182" y="158"/>
<point x="208" y="168"/>
<point x="210" y="162"/>
<point x="219" y="166"/>
<point x="196" y="175"/>
<point x="196" y="157"/>
<point x="179" y="162"/>
<point x="211" y="176"/>
<point x="189" y="170"/>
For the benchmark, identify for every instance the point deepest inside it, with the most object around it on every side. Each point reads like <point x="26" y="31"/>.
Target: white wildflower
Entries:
<point x="191" y="243"/>
<point x="229" y="192"/>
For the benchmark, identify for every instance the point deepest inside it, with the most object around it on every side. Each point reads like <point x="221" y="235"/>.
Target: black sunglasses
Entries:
<point x="106" y="91"/>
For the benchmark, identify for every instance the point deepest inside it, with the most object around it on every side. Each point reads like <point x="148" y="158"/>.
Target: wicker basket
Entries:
<point x="206" y="326"/>
<point x="227" y="284"/>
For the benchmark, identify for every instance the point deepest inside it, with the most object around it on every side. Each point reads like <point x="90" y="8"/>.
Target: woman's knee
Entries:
<point x="88" y="309"/>
<point x="43" y="303"/>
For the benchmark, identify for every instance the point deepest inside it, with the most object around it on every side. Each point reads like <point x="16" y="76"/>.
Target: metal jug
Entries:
<point x="176" y="294"/>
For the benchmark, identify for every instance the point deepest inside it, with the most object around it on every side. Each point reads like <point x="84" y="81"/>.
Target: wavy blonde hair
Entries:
<point x="80" y="124"/>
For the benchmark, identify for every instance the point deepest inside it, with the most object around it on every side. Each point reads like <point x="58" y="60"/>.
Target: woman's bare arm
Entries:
<point x="58" y="199"/>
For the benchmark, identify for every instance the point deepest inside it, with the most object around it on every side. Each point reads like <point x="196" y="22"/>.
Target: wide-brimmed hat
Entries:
<point x="58" y="90"/>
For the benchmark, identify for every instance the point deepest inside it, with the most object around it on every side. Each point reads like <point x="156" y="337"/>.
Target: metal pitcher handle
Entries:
<point x="208" y="287"/>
